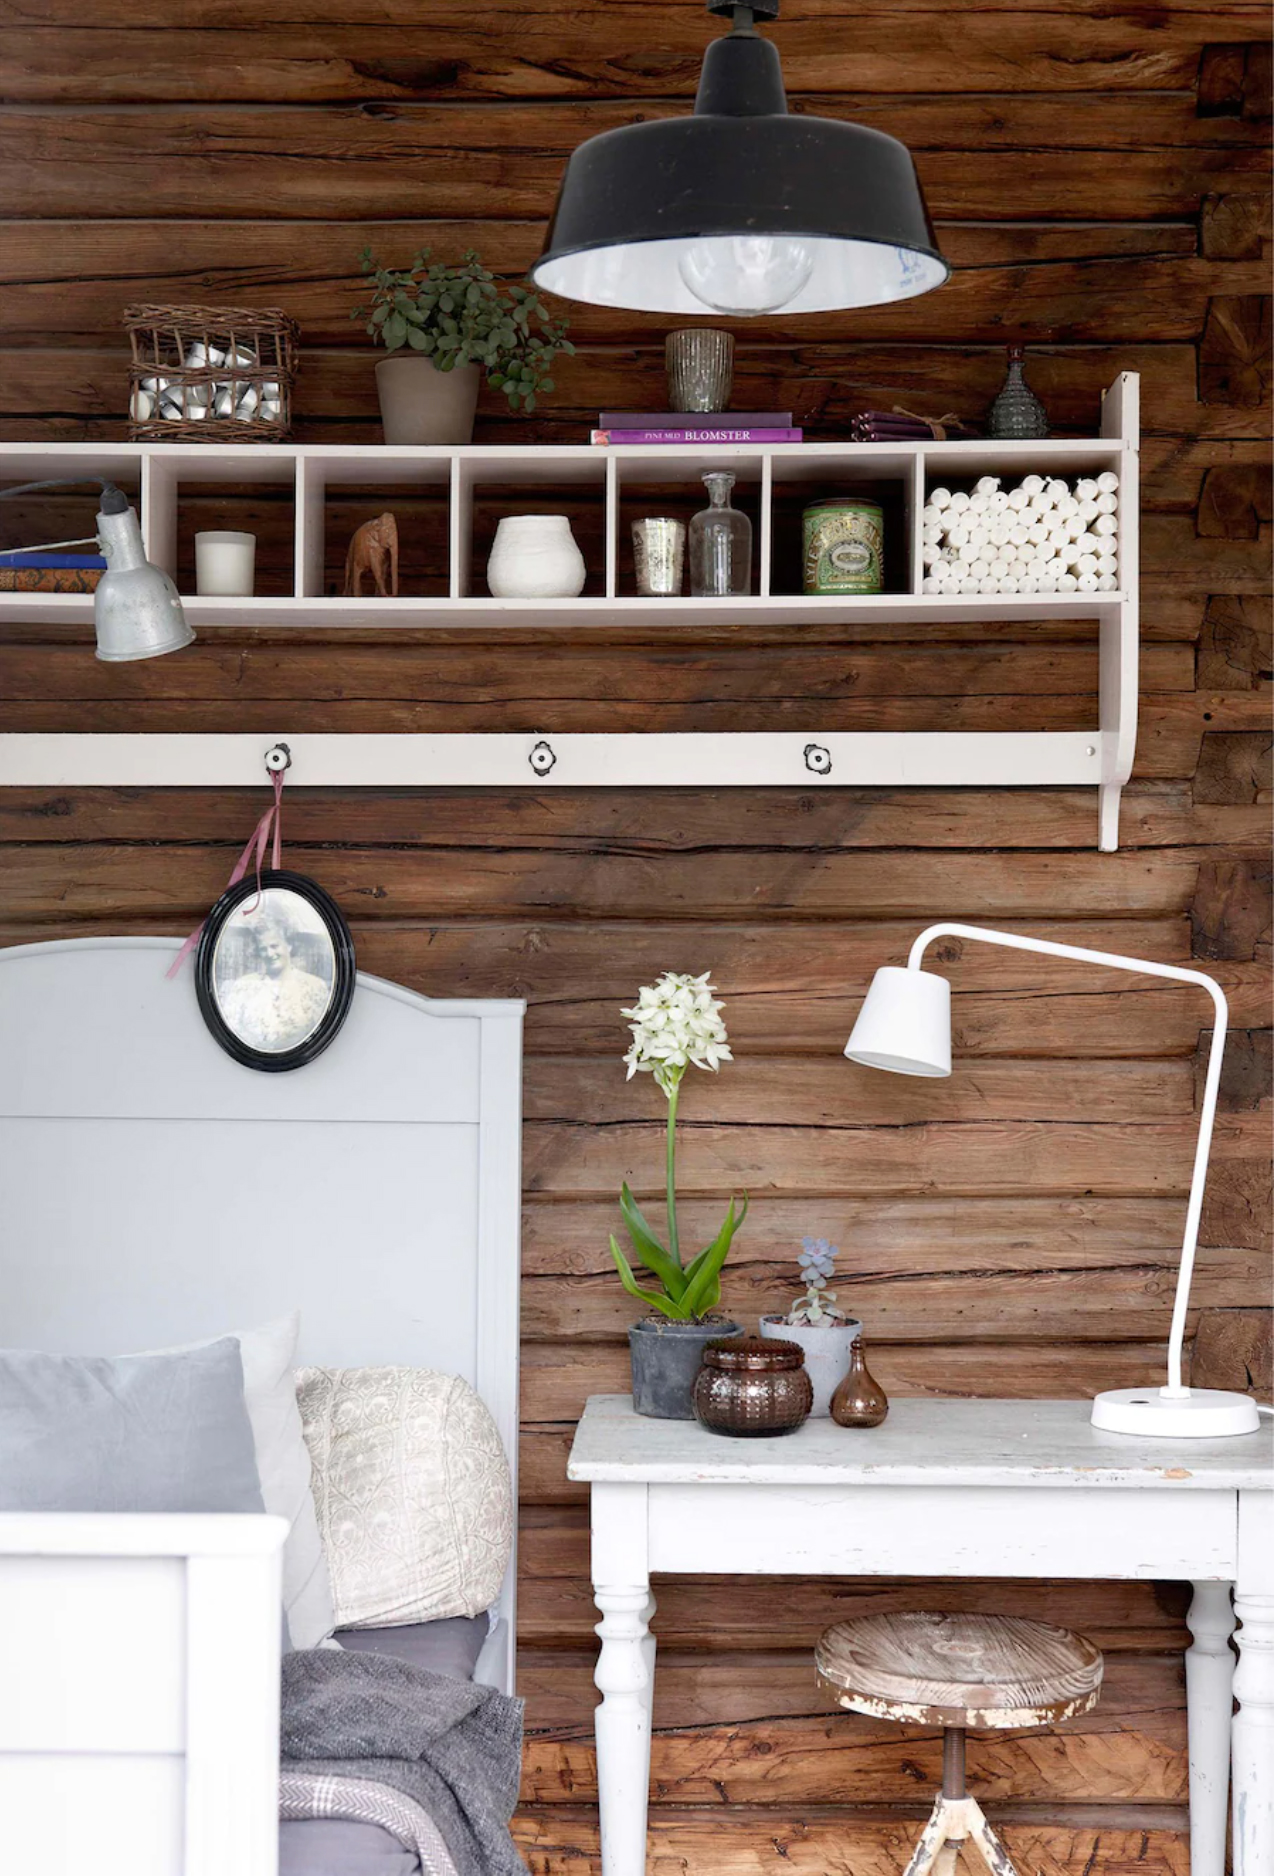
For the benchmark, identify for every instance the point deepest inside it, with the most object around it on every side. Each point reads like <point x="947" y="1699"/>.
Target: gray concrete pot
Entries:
<point x="419" y="404"/>
<point x="666" y="1357"/>
<point x="826" y="1345"/>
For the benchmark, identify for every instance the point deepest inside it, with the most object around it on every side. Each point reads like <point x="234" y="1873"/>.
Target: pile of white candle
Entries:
<point x="1040" y="537"/>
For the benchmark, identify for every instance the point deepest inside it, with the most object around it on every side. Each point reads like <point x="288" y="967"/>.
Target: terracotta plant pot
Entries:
<point x="827" y="1347"/>
<point x="666" y="1357"/>
<point x="420" y="404"/>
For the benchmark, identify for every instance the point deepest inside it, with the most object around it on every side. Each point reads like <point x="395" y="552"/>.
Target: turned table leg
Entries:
<point x="624" y="1675"/>
<point x="1209" y="1685"/>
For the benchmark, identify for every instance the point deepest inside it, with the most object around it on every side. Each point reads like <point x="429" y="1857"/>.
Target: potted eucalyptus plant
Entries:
<point x="444" y="327"/>
<point x="814" y="1322"/>
<point x="675" y="1023"/>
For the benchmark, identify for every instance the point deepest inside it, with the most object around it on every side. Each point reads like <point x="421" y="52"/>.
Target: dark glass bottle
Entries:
<point x="860" y="1400"/>
<point x="1016" y="412"/>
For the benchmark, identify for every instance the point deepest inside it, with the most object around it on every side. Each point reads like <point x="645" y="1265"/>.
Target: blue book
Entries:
<point x="43" y="560"/>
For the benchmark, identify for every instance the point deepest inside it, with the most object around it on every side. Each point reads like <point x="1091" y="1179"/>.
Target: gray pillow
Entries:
<point x="448" y="1645"/>
<point x="135" y="1433"/>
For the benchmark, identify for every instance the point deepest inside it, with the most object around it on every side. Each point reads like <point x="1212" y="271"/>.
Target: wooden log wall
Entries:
<point x="1099" y="177"/>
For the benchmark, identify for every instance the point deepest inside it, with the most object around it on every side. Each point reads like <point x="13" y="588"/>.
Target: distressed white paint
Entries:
<point x="1100" y="758"/>
<point x="974" y="1488"/>
<point x="154" y="1191"/>
<point x="140" y="1707"/>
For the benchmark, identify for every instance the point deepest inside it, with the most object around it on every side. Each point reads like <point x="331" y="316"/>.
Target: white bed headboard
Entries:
<point x="153" y="1191"/>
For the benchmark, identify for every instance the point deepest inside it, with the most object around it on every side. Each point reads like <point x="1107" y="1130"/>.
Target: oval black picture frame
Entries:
<point x="343" y="969"/>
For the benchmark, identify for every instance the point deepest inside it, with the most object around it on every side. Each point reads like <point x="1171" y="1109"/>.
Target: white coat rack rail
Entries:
<point x="1100" y="757"/>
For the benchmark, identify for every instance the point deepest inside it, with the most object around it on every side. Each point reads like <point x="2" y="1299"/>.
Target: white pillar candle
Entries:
<point x="1009" y="583"/>
<point x="1034" y="485"/>
<point x="1057" y="489"/>
<point x="225" y="563"/>
<point x="931" y="515"/>
<point x="959" y="502"/>
<point x="1018" y="499"/>
<point x="967" y="552"/>
<point x="1107" y="505"/>
<point x="1018" y="535"/>
<point x="998" y="502"/>
<point x="986" y="485"/>
<point x="1037" y="533"/>
<point x="1086" y="489"/>
<point x="970" y="583"/>
<point x="931" y="585"/>
<point x="1105" y="524"/>
<point x="1067" y="583"/>
<point x="988" y="584"/>
<point x="940" y="498"/>
<point x="1074" y="527"/>
<point x="957" y="534"/>
<point x="999" y="568"/>
<point x="1107" y="482"/>
<point x="1087" y="563"/>
<point x="1088" y="511"/>
<point x="1107" y="583"/>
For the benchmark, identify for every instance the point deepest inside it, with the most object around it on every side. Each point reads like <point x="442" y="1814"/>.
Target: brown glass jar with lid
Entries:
<point x="750" y="1388"/>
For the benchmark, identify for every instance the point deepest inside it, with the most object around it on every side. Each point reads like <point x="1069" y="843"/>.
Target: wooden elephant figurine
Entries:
<point x="373" y="550"/>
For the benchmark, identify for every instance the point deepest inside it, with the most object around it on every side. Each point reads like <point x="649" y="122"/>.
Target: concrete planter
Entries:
<point x="826" y="1347"/>
<point x="666" y="1357"/>
<point x="419" y="404"/>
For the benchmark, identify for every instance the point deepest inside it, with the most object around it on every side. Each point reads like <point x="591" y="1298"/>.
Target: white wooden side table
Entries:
<point x="978" y="1488"/>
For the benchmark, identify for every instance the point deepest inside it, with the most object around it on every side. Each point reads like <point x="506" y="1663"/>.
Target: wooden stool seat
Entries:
<point x="980" y="1671"/>
<point x="957" y="1671"/>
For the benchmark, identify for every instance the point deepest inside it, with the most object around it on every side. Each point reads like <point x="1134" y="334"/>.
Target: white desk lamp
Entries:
<point x="905" y="1026"/>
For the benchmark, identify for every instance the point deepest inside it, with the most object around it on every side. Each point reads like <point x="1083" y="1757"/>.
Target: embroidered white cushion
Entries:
<point x="413" y="1493"/>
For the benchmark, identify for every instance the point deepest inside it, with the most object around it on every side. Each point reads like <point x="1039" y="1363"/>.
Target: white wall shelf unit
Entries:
<point x="771" y="480"/>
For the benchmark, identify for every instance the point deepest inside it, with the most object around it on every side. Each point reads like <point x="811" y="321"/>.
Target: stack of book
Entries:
<point x="695" y="426"/>
<point x="42" y="572"/>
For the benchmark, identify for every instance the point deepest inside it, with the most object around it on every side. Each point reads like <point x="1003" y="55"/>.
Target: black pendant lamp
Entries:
<point x="741" y="209"/>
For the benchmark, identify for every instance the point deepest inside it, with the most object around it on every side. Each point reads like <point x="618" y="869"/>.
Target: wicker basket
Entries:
<point x="210" y="374"/>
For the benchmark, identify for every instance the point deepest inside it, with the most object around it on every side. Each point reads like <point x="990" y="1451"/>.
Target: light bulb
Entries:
<point x="744" y="274"/>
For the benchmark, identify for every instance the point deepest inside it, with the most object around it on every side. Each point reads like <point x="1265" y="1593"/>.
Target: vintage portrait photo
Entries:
<point x="276" y="971"/>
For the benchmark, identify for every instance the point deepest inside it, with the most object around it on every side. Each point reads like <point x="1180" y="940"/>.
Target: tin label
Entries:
<point x="844" y="549"/>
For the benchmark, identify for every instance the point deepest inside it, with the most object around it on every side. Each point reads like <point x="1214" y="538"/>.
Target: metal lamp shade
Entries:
<point x="136" y="609"/>
<point x="904" y="1024"/>
<point x="634" y="202"/>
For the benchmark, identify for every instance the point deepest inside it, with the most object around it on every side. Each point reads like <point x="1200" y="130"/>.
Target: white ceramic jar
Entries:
<point x="535" y="557"/>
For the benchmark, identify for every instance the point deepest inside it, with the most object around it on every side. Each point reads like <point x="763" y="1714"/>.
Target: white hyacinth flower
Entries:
<point x="675" y="1024"/>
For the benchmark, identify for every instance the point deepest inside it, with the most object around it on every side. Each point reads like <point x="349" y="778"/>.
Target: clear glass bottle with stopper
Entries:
<point x="720" y="543"/>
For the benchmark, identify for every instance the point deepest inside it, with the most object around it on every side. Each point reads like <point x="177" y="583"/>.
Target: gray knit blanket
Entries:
<point x="453" y="1748"/>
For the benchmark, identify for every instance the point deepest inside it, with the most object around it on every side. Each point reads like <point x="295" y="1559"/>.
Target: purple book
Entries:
<point x="695" y="420"/>
<point x="732" y="435"/>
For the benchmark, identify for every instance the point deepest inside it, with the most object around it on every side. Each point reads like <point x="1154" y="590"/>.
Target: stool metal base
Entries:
<point x="957" y="1821"/>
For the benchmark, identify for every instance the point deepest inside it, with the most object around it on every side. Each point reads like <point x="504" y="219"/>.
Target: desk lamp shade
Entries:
<point x="136" y="608"/>
<point x="740" y="209"/>
<point x="905" y="1023"/>
<point x="905" y="1026"/>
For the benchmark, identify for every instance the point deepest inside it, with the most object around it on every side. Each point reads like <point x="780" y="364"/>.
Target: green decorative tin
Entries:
<point x="844" y="547"/>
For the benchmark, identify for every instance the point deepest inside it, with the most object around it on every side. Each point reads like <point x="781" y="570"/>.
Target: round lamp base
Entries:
<point x="1201" y="1413"/>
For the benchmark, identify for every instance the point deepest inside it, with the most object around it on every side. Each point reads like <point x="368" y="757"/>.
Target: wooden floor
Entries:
<point x="1099" y="180"/>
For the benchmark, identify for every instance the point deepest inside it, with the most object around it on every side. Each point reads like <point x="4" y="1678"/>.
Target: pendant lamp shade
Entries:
<point x="740" y="209"/>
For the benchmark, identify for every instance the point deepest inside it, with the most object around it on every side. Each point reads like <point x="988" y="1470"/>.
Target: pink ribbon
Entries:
<point x="253" y="854"/>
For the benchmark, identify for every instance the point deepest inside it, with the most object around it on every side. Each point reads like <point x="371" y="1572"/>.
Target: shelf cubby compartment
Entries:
<point x="669" y="481"/>
<point x="337" y="491"/>
<point x="488" y="484"/>
<point x="802" y="474"/>
<point x="252" y="490"/>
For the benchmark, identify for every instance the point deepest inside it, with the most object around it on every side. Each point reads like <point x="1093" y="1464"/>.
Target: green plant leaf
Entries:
<point x="650" y="1248"/>
<point x="703" y="1279"/>
<point x="630" y="1283"/>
